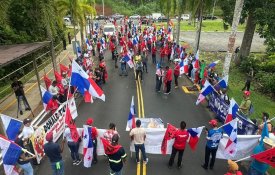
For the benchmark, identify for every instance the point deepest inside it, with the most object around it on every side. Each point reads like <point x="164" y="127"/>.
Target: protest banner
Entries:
<point x="220" y="107"/>
<point x="245" y="146"/>
<point x="149" y="123"/>
<point x="38" y="140"/>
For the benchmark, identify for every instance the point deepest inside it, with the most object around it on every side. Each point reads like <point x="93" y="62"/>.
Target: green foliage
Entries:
<point x="9" y="36"/>
<point x="267" y="81"/>
<point x="250" y="63"/>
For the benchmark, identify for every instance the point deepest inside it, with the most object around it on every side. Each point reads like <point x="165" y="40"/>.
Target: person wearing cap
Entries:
<point x="181" y="136"/>
<point x="138" y="135"/>
<point x="117" y="157"/>
<point x="89" y="122"/>
<point x="213" y="138"/>
<point x="256" y="167"/>
<point x="108" y="135"/>
<point x="159" y="78"/>
<point x="24" y="159"/>
<point x="73" y="146"/>
<point x="246" y="103"/>
<point x="53" y="152"/>
<point x="233" y="168"/>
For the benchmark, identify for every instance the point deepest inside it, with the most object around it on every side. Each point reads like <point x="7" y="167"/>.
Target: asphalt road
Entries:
<point x="173" y="108"/>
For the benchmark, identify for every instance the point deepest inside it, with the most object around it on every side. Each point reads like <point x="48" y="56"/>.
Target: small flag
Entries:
<point x="128" y="59"/>
<point x="10" y="155"/>
<point x="232" y="111"/>
<point x="223" y="82"/>
<point x="181" y="67"/>
<point x="47" y="81"/>
<point x="11" y="126"/>
<point x="78" y="50"/>
<point x="196" y="64"/>
<point x="71" y="124"/>
<point x="213" y="64"/>
<point x="87" y="146"/>
<point x="108" y="148"/>
<point x="46" y="97"/>
<point x="231" y="130"/>
<point x="195" y="135"/>
<point x="207" y="89"/>
<point x="58" y="77"/>
<point x="63" y="68"/>
<point x="131" y="123"/>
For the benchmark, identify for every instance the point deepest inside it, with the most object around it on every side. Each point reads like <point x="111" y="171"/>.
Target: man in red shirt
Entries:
<point x="181" y="137"/>
<point x="154" y="51"/>
<point x="168" y="79"/>
<point x="94" y="137"/>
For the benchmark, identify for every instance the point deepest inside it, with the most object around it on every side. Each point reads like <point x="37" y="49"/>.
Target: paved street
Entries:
<point x="172" y="108"/>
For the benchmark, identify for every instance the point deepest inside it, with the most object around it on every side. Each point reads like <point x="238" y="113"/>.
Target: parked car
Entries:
<point x="185" y="17"/>
<point x="162" y="19"/>
<point x="117" y="16"/>
<point x="145" y="19"/>
<point x="101" y="17"/>
<point x="134" y="17"/>
<point x="109" y="29"/>
<point x="155" y="16"/>
<point x="209" y="17"/>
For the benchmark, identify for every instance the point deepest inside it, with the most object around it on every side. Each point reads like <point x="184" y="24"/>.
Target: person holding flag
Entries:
<point x="213" y="138"/>
<point x="108" y="135"/>
<point x="181" y="137"/>
<point x="116" y="155"/>
<point x="89" y="122"/>
<point x="73" y="146"/>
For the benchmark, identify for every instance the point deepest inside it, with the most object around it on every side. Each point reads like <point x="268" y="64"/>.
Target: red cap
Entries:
<point x="49" y="136"/>
<point x="89" y="121"/>
<point x="213" y="122"/>
<point x="247" y="93"/>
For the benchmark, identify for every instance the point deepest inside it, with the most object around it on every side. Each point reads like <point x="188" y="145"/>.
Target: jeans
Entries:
<point x="58" y="170"/>
<point x="158" y="83"/>
<point x="140" y="147"/>
<point x="176" y="80"/>
<point x="139" y="73"/>
<point x="168" y="86"/>
<point x="173" y="155"/>
<point x="74" y="150"/>
<point x="116" y="173"/>
<point x="22" y="98"/>
<point x="154" y="58"/>
<point x="27" y="167"/>
<point x="94" y="150"/>
<point x="252" y="171"/>
<point x="193" y="73"/>
<point x="145" y="66"/>
<point x="123" y="69"/>
<point x="209" y="151"/>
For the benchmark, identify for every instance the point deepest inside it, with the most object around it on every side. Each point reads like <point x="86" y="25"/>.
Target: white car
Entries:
<point x="134" y="17"/>
<point x="155" y="16"/>
<point x="67" y="21"/>
<point x="109" y="29"/>
<point x="185" y="17"/>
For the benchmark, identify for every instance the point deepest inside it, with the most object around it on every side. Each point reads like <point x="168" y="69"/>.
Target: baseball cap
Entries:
<point x="27" y="120"/>
<point x="213" y="122"/>
<point x="247" y="93"/>
<point x="89" y="121"/>
<point x="49" y="136"/>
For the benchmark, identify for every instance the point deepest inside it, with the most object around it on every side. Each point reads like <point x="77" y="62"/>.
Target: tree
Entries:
<point x="76" y="9"/>
<point x="180" y="8"/>
<point x="232" y="37"/>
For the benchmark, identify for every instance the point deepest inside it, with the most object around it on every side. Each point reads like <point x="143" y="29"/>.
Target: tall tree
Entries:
<point x="180" y="6"/>
<point x="232" y="37"/>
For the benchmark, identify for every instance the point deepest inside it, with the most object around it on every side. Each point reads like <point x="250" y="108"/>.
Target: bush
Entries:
<point x="267" y="80"/>
<point x="269" y="64"/>
<point x="250" y="63"/>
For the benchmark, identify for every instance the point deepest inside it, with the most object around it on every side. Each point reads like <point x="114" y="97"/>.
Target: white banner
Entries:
<point x="154" y="137"/>
<point x="72" y="106"/>
<point x="245" y="146"/>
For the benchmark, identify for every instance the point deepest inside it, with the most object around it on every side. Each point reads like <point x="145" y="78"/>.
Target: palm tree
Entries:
<point x="169" y="7"/>
<point x="180" y="5"/>
<point x="77" y="9"/>
<point x="232" y="37"/>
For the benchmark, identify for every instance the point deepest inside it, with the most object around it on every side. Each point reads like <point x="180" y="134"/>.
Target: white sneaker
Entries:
<point x="147" y="160"/>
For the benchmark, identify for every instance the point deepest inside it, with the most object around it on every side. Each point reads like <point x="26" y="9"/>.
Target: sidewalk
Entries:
<point x="9" y="106"/>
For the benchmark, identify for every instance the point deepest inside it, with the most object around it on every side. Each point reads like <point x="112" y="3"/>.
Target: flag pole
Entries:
<point x="245" y="158"/>
<point x="227" y="123"/>
<point x="26" y="151"/>
<point x="269" y="120"/>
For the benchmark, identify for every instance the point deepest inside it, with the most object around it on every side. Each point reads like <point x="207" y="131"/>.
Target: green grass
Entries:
<point x="207" y="26"/>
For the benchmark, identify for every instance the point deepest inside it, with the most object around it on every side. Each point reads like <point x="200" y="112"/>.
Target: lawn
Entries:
<point x="207" y="26"/>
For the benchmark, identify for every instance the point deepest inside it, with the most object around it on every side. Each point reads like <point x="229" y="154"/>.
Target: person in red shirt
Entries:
<point x="162" y="55"/>
<point x="98" y="45"/>
<point x="176" y="74"/>
<point x="168" y="79"/>
<point x="52" y="105"/>
<point x="154" y="51"/>
<point x="94" y="137"/>
<point x="181" y="137"/>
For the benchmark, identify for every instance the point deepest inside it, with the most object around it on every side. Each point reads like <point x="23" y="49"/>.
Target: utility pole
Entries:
<point x="103" y="7"/>
<point x="232" y="37"/>
<point x="198" y="34"/>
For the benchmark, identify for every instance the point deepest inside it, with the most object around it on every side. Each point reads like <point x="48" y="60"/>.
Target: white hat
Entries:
<point x="271" y="140"/>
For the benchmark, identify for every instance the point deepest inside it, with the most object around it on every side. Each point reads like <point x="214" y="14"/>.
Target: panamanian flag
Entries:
<point x="46" y="97"/>
<point x="87" y="146"/>
<point x="12" y="126"/>
<point x="128" y="59"/>
<point x="131" y="123"/>
<point x="232" y="111"/>
<point x="207" y="89"/>
<point x="231" y="130"/>
<point x="194" y="136"/>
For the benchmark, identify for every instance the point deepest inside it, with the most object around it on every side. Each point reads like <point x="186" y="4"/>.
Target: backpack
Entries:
<point x="139" y="66"/>
<point x="251" y="109"/>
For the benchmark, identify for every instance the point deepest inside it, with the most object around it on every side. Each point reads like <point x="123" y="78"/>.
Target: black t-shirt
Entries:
<point x="119" y="155"/>
<point x="53" y="151"/>
<point x="19" y="88"/>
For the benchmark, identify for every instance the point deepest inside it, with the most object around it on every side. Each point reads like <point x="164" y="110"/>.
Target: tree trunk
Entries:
<point x="232" y="37"/>
<point x="168" y="12"/>
<point x="198" y="32"/>
<point x="179" y="18"/>
<point x="247" y="38"/>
